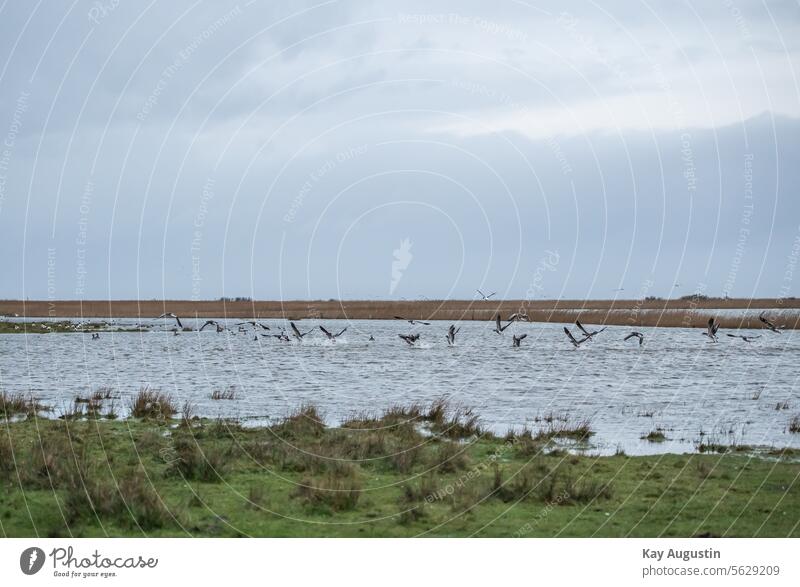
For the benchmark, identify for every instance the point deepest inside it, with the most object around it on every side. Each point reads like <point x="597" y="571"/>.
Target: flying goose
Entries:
<point x="518" y="339"/>
<point x="332" y="336"/>
<point x="409" y="338"/>
<point x="171" y="315"/>
<point x="768" y="324"/>
<point x="498" y="328"/>
<point x="484" y="297"/>
<point x="219" y="326"/>
<point x="253" y="323"/>
<point x="743" y="337"/>
<point x="586" y="333"/>
<point x="283" y="337"/>
<point x="575" y="343"/>
<point x="451" y="334"/>
<point x="298" y="335"/>
<point x="635" y="334"/>
<point x="520" y="316"/>
<point x="412" y="321"/>
<point x="712" y="330"/>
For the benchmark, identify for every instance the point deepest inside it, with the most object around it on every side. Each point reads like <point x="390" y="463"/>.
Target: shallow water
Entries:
<point x="677" y="381"/>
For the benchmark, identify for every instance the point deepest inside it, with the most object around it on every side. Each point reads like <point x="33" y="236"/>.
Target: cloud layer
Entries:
<point x="288" y="150"/>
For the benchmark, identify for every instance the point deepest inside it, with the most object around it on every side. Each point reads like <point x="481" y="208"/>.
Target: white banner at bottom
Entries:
<point x="352" y="562"/>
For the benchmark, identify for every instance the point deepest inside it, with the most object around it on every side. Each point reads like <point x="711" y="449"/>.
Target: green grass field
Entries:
<point x="408" y="472"/>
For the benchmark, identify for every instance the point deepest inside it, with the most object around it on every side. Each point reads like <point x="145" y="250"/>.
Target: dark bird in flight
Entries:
<point x="586" y="333"/>
<point x="219" y="326"/>
<point x="283" y="337"/>
<point x="497" y="327"/>
<point x="520" y="316"/>
<point x="744" y="338"/>
<point x="766" y="322"/>
<point x="409" y="338"/>
<point x="711" y="332"/>
<point x="330" y="335"/>
<point x="518" y="339"/>
<point x="635" y="334"/>
<point x="484" y="297"/>
<point x="171" y="315"/>
<point x="95" y="336"/>
<point x="575" y="343"/>
<point x="412" y="321"/>
<point x="298" y="335"/>
<point x="451" y="334"/>
<point x="253" y="323"/>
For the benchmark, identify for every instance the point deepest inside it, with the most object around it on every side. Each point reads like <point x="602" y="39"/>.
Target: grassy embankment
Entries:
<point x="410" y="471"/>
<point x="685" y="313"/>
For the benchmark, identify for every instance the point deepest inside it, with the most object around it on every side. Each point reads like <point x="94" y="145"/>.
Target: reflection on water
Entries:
<point x="676" y="381"/>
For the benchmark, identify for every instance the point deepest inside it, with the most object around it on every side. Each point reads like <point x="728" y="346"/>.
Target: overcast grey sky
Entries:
<point x="360" y="150"/>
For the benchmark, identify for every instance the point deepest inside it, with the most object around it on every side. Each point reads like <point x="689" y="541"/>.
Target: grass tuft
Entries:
<point x="152" y="404"/>
<point x="330" y="493"/>
<point x="229" y="393"/>
<point x="656" y="435"/>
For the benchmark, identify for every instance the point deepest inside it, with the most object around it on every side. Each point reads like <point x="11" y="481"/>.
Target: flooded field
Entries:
<point x="677" y="387"/>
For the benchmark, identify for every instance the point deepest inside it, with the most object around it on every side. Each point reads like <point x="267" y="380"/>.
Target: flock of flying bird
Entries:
<point x="412" y="339"/>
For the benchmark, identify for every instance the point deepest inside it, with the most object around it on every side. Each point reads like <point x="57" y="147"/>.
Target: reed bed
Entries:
<point x="687" y="312"/>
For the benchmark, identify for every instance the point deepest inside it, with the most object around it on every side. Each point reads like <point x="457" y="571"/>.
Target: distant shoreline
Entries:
<point x="688" y="313"/>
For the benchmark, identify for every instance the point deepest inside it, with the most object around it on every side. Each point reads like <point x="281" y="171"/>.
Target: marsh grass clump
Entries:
<point x="188" y="414"/>
<point x="330" y="493"/>
<point x="356" y="445"/>
<point x="586" y="490"/>
<point x="129" y="500"/>
<point x="395" y="422"/>
<point x="784" y="405"/>
<point x="56" y="460"/>
<point x="794" y="424"/>
<point x="437" y="411"/>
<point x="551" y="417"/>
<point x="229" y="393"/>
<point x="7" y="465"/>
<point x="152" y="404"/>
<point x="710" y="445"/>
<point x="412" y="508"/>
<point x="229" y="428"/>
<point x="305" y="422"/>
<point x="519" y="486"/>
<point x="525" y="445"/>
<point x="463" y="423"/>
<point x="456" y="423"/>
<point x="414" y="498"/>
<point x="111" y="412"/>
<point x="450" y="457"/>
<point x="189" y="461"/>
<point x="17" y="404"/>
<point x="404" y="460"/>
<point x="579" y="431"/>
<point x="656" y="435"/>
<point x="102" y="393"/>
